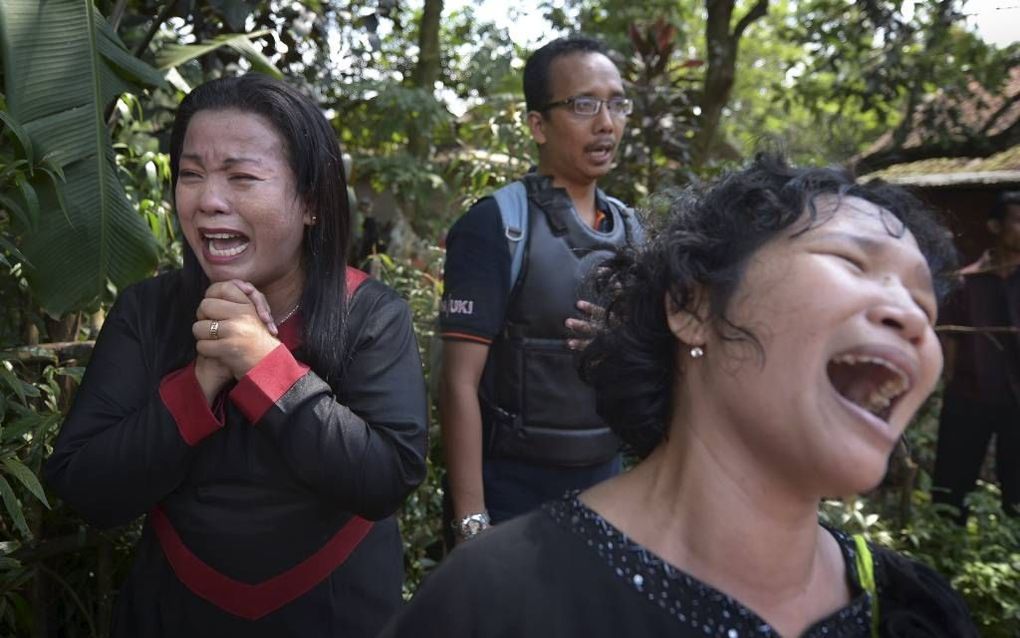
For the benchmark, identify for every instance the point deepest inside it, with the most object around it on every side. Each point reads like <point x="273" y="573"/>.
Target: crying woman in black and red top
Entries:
<point x="264" y="406"/>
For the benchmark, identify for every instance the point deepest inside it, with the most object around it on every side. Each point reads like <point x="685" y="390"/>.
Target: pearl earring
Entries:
<point x="697" y="352"/>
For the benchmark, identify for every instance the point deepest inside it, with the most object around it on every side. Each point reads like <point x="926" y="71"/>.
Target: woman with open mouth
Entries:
<point x="264" y="406"/>
<point x="765" y="350"/>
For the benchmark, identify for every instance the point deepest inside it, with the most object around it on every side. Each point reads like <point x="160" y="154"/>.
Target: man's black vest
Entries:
<point x="535" y="407"/>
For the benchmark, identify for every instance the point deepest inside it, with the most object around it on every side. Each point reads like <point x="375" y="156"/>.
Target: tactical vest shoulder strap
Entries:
<point x="512" y="200"/>
<point x="616" y="202"/>
<point x="635" y="233"/>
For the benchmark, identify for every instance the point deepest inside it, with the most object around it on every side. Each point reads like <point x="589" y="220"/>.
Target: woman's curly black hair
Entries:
<point x="704" y="242"/>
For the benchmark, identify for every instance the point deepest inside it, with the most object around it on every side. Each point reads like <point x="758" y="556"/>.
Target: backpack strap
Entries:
<point x="512" y="200"/>
<point x="866" y="574"/>
<point x="616" y="202"/>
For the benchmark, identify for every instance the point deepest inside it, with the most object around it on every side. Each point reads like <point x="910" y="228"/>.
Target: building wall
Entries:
<point x="966" y="211"/>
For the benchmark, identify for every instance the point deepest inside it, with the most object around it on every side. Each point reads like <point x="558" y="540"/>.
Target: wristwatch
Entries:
<point x="471" y="525"/>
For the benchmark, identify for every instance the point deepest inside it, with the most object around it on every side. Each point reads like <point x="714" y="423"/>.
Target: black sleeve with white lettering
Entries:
<point x="477" y="276"/>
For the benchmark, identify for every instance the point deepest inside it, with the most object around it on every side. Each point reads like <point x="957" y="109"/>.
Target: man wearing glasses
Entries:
<point x="519" y="426"/>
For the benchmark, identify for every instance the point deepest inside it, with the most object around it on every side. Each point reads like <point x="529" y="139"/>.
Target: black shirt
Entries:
<point x="565" y="571"/>
<point x="476" y="276"/>
<point x="257" y="485"/>
<point x="987" y="366"/>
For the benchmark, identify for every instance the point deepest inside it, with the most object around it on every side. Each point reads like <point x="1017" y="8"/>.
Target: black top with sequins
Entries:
<point x="691" y="602"/>
<point x="566" y="571"/>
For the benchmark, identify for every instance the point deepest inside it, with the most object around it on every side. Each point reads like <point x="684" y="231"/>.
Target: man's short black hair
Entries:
<point x="1002" y="202"/>
<point x="537" y="92"/>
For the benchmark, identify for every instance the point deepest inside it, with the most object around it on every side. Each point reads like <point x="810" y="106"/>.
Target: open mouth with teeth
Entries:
<point x="600" y="151"/>
<point x="225" y="244"/>
<point x="871" y="383"/>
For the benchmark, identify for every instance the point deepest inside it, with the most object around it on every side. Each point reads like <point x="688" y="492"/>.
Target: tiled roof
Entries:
<point x="1001" y="168"/>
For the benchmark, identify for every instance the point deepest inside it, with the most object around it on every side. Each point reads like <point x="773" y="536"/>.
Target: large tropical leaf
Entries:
<point x="63" y="65"/>
<point x="173" y="55"/>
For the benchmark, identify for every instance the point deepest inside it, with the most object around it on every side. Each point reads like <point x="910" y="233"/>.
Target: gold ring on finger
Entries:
<point x="214" y="329"/>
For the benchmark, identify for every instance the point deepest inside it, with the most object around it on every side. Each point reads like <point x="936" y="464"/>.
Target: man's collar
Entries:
<point x="542" y="187"/>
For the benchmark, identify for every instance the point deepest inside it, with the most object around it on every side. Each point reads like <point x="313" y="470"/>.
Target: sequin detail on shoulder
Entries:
<point x="695" y="605"/>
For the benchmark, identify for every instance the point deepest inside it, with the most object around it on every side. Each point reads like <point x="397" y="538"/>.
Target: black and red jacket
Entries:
<point x="269" y="514"/>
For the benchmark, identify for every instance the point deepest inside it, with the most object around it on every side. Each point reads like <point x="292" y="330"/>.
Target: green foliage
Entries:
<point x="379" y="113"/>
<point x="610" y="20"/>
<point x="31" y="385"/>
<point x="906" y="69"/>
<point x="61" y="67"/>
<point x="981" y="560"/>
<point x="766" y="107"/>
<point x="145" y="173"/>
<point x="173" y="54"/>
<point x="421" y="515"/>
<point x="22" y="175"/>
<point x="657" y="154"/>
<point x="30" y="411"/>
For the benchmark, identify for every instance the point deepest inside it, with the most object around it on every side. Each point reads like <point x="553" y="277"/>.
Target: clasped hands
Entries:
<point x="233" y="332"/>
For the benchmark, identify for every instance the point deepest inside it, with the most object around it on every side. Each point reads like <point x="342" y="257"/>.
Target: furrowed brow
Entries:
<point x="233" y="161"/>
<point x="228" y="162"/>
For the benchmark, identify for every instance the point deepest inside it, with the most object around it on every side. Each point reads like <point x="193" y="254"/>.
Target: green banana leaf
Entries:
<point x="63" y="65"/>
<point x="173" y="55"/>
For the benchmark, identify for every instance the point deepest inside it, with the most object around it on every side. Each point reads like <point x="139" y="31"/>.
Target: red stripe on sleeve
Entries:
<point x="465" y="336"/>
<point x="184" y="399"/>
<point x="264" y="384"/>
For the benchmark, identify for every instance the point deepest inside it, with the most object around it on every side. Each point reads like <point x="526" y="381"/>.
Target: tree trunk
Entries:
<point x="722" y="46"/>
<point x="63" y="329"/>
<point x="426" y="71"/>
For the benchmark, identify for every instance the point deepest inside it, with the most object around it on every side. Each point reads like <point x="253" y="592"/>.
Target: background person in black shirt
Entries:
<point x="519" y="427"/>
<point x="982" y="344"/>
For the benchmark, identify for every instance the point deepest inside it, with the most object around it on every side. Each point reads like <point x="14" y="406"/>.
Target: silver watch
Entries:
<point x="471" y="525"/>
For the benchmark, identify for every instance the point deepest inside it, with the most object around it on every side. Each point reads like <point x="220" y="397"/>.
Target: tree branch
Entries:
<point x="48" y="548"/>
<point x="915" y="90"/>
<point x="117" y="14"/>
<point x="990" y="122"/>
<point x="50" y="352"/>
<point x="111" y="113"/>
<point x="154" y="27"/>
<point x="758" y="11"/>
<point x="902" y="130"/>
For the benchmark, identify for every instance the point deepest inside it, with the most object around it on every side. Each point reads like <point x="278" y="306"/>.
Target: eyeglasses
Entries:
<point x="590" y="106"/>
